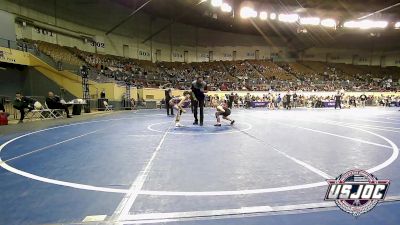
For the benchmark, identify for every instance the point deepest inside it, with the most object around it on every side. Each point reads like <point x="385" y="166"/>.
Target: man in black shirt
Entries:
<point x="288" y="104"/>
<point x="199" y="87"/>
<point x="247" y="100"/>
<point x="231" y="100"/>
<point x="363" y="99"/>
<point x="294" y="100"/>
<point x="168" y="97"/>
<point x="338" y="100"/>
<point x="54" y="102"/>
<point x="103" y="93"/>
<point x="236" y="100"/>
<point x="21" y="103"/>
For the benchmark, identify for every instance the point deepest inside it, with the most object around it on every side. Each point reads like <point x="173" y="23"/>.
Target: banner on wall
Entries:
<point x="14" y="56"/>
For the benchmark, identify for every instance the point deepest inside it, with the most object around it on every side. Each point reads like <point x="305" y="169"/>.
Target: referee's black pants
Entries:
<point x="230" y="104"/>
<point x="200" y="104"/>
<point x="169" y="107"/>
<point x="337" y="104"/>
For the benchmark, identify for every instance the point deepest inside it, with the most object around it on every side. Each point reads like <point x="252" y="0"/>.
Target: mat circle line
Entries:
<point x="395" y="153"/>
<point x="150" y="127"/>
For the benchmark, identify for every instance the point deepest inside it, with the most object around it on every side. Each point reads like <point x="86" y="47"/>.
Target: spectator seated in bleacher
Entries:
<point x="54" y="102"/>
<point x="21" y="103"/>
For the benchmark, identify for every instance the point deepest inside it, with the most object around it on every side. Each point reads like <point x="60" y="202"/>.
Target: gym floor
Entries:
<point x="136" y="167"/>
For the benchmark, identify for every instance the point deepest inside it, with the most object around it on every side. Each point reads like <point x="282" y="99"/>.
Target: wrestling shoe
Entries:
<point x="178" y="125"/>
<point x="232" y="122"/>
<point x="217" y="124"/>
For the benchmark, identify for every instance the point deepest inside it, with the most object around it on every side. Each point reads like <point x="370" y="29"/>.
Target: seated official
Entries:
<point x="54" y="102"/>
<point x="21" y="103"/>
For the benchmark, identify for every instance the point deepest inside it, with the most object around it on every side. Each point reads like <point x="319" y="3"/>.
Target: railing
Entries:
<point x="6" y="43"/>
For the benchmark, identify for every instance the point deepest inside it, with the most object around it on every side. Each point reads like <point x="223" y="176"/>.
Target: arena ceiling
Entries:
<point x="95" y="13"/>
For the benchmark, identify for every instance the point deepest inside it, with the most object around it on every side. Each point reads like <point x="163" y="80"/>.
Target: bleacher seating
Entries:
<point x="226" y="75"/>
<point x="271" y="70"/>
<point x="58" y="53"/>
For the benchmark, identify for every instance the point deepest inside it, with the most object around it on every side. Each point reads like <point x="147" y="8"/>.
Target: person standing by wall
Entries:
<point x="103" y="93"/>
<point x="338" y="100"/>
<point x="295" y="100"/>
<point x="199" y="87"/>
<point x="288" y="102"/>
<point x="363" y="99"/>
<point x="231" y="99"/>
<point x="247" y="100"/>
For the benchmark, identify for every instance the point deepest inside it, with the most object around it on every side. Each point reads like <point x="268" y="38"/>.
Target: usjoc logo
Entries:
<point x="356" y="191"/>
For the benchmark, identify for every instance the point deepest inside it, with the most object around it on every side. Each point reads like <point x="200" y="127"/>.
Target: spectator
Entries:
<point x="363" y="99"/>
<point x="288" y="103"/>
<point x="294" y="100"/>
<point x="231" y="100"/>
<point x="103" y="94"/>
<point x="338" y="100"/>
<point x="133" y="103"/>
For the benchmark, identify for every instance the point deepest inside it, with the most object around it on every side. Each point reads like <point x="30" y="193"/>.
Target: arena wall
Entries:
<point x="174" y="41"/>
<point x="158" y="94"/>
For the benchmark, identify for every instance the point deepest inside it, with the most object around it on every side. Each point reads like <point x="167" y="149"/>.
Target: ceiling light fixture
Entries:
<point x="216" y="3"/>
<point x="225" y="7"/>
<point x="247" y="12"/>
<point x="310" y="21"/>
<point x="328" y="23"/>
<point x="263" y="15"/>
<point x="288" y="18"/>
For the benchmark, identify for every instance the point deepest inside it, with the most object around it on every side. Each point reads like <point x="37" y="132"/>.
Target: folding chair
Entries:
<point x="55" y="113"/>
<point x="107" y="106"/>
<point x="35" y="113"/>
<point x="39" y="112"/>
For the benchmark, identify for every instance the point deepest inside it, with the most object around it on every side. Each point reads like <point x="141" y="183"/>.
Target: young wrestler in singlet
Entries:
<point x="177" y="103"/>
<point x="224" y="111"/>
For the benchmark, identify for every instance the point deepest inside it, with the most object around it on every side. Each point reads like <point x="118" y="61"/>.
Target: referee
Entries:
<point x="338" y="100"/>
<point x="168" y="97"/>
<point x="199" y="87"/>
